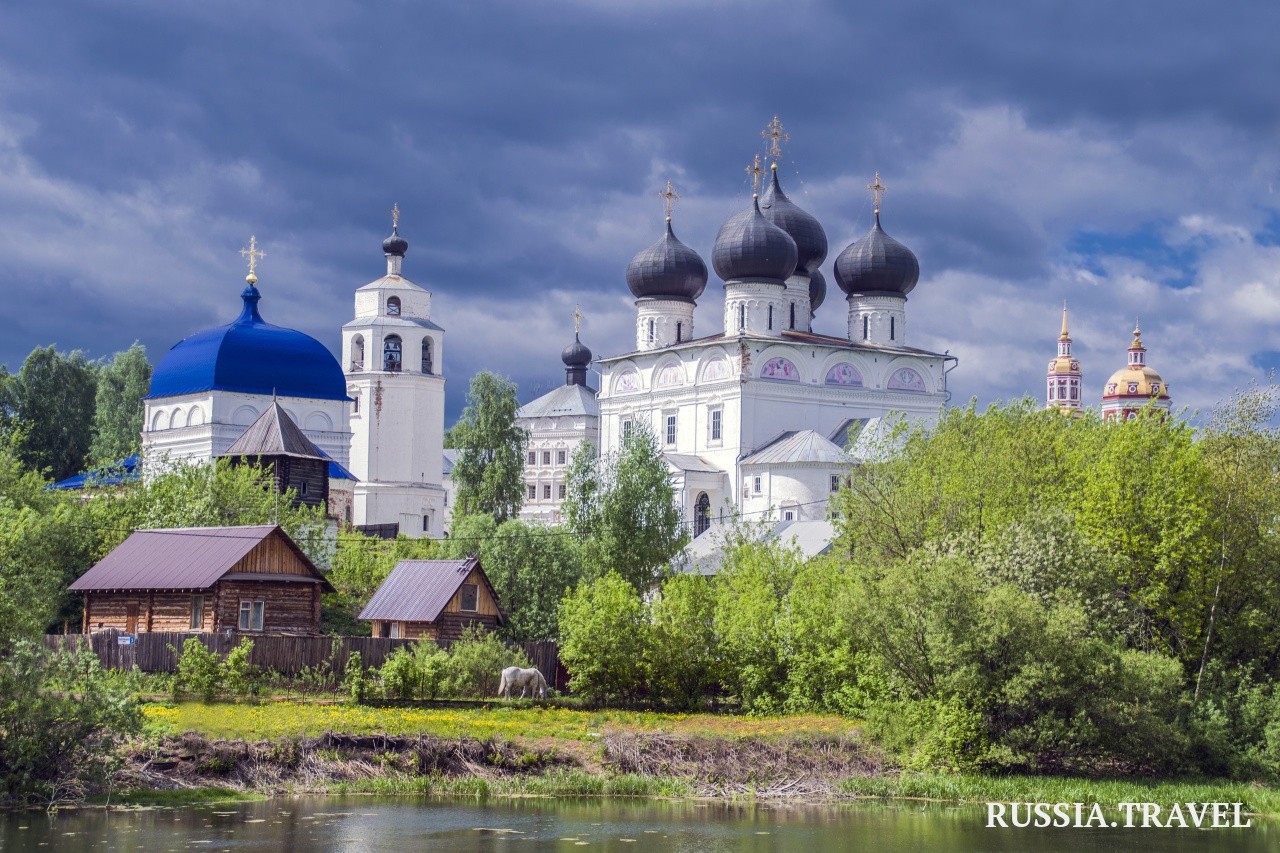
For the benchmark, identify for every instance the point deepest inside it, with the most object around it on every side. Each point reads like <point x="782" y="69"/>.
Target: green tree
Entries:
<point x="360" y="564"/>
<point x="623" y="507"/>
<point x="603" y="639"/>
<point x="117" y="417"/>
<point x="52" y="397"/>
<point x="489" y="472"/>
<point x="530" y="566"/>
<point x="681" y="658"/>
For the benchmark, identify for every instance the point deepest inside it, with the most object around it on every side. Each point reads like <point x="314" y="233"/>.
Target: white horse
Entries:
<point x="525" y="679"/>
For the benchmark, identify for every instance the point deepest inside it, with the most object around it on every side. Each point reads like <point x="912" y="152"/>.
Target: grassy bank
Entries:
<point x="310" y="719"/>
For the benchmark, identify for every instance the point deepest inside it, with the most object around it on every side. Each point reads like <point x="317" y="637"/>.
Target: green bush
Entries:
<point x="604" y="636"/>
<point x="476" y="661"/>
<point x="61" y="722"/>
<point x="200" y="671"/>
<point x="241" y="677"/>
<point x="354" y="679"/>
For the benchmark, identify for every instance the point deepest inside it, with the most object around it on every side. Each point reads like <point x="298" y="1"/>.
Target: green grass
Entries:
<point x="554" y="783"/>
<point x="963" y="788"/>
<point x="179" y="797"/>
<point x="289" y="719"/>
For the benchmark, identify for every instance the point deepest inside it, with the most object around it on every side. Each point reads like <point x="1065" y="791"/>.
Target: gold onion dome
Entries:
<point x="1137" y="378"/>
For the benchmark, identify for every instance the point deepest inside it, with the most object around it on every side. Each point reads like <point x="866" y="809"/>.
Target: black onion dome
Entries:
<point x="750" y="246"/>
<point x="667" y="270"/>
<point x="811" y="240"/>
<point x="817" y="290"/>
<point x="877" y="264"/>
<point x="576" y="354"/>
<point x="395" y="244"/>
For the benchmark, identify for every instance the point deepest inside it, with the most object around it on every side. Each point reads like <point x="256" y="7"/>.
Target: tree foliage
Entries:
<point x="622" y="506"/>
<point x="117" y="417"/>
<point x="604" y="638"/>
<point x="51" y="398"/>
<point x="489" y="472"/>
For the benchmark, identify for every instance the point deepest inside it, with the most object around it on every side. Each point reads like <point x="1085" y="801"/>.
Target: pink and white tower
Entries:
<point x="1065" y="378"/>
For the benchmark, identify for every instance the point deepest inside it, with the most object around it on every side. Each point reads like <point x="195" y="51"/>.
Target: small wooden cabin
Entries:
<point x="435" y="599"/>
<point x="277" y="445"/>
<point x="248" y="579"/>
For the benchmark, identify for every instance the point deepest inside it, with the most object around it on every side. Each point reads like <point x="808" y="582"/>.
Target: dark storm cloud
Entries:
<point x="140" y="144"/>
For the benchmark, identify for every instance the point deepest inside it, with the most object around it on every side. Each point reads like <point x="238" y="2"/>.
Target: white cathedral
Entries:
<point x="757" y="418"/>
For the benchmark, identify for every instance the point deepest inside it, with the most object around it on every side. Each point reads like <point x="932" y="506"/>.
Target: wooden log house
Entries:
<point x="434" y="599"/>
<point x="247" y="579"/>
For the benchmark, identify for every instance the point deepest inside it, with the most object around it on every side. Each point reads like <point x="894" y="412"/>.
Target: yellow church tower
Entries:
<point x="1064" y="378"/>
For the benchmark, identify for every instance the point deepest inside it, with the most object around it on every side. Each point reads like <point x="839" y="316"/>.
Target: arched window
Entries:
<point x="393" y="306"/>
<point x="357" y="353"/>
<point x="651" y="331"/>
<point x="793" y="315"/>
<point x="428" y="366"/>
<point x="391" y="354"/>
<point x="742" y="317"/>
<point x="771" y="318"/>
<point x="355" y="402"/>
<point x="866" y="326"/>
<point x="701" y="514"/>
<point x="892" y="327"/>
<point x="679" y="332"/>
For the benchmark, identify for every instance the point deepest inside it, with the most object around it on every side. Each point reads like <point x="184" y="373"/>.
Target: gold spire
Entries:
<point x="776" y="134"/>
<point x="254" y="255"/>
<point x="1137" y="336"/>
<point x="395" y="216"/>
<point x="1064" y="336"/>
<point x="669" y="197"/>
<point x="577" y="315"/>
<point x="877" y="189"/>
<point x="755" y="172"/>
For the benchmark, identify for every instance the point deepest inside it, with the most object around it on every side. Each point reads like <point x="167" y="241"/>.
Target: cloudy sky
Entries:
<point x="1123" y="156"/>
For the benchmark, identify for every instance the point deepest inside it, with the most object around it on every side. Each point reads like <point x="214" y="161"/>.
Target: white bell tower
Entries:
<point x="393" y="358"/>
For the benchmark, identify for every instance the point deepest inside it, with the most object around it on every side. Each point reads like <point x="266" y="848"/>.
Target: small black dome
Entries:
<point x="811" y="240"/>
<point x="877" y="264"/>
<point x="667" y="270"/>
<point x="576" y="354"/>
<point x="817" y="290"/>
<point x="751" y="247"/>
<point x="395" y="244"/>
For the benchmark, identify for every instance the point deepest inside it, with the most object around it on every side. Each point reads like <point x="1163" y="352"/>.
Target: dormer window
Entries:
<point x="393" y="306"/>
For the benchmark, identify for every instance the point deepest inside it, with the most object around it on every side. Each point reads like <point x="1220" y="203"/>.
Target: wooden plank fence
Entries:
<point x="287" y="655"/>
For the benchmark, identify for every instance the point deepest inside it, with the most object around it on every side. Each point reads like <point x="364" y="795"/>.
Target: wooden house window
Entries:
<point x="396" y="633"/>
<point x="470" y="597"/>
<point x="197" y="612"/>
<point x="251" y="615"/>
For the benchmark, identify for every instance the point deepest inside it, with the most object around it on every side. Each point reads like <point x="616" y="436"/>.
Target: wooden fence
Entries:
<point x="288" y="655"/>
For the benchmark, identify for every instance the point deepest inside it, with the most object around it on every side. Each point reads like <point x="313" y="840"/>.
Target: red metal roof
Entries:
<point x="180" y="558"/>
<point x="418" y="590"/>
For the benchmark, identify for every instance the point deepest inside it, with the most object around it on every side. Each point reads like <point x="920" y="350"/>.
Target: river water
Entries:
<point x="624" y="826"/>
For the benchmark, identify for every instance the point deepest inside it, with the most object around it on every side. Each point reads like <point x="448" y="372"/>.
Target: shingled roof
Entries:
<point x="275" y="434"/>
<point x="185" y="558"/>
<point x="418" y="590"/>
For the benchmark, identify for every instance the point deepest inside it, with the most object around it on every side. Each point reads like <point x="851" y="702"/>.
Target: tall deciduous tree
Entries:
<point x="52" y="400"/>
<point x="623" y="507"/>
<point x="489" y="473"/>
<point x="117" y="417"/>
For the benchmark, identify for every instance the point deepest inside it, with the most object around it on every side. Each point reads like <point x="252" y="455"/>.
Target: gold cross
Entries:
<point x="395" y="216"/>
<point x="254" y="255"/>
<point x="577" y="320"/>
<point x="670" y="196"/>
<point x="755" y="172"/>
<point x="775" y="133"/>
<point x="877" y="189"/>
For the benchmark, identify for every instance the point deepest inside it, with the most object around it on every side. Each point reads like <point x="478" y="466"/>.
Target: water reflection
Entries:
<point x="622" y="826"/>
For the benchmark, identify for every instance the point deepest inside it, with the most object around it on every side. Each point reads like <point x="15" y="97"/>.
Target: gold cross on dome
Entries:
<point x="877" y="189"/>
<point x="755" y="172"/>
<point x="395" y="216"/>
<point x="577" y="319"/>
<point x="253" y="254"/>
<point x="776" y="134"/>
<point x="670" y="197"/>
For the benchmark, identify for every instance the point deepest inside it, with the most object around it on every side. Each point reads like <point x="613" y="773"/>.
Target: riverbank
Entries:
<point x="222" y="751"/>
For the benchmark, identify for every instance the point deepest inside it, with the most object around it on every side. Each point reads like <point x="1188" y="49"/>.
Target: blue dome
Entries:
<point x="250" y="356"/>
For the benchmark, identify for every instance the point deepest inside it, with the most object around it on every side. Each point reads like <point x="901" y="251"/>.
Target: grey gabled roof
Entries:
<point x="565" y="400"/>
<point x="182" y="558"/>
<point x="418" y="590"/>
<point x="793" y="447"/>
<point x="690" y="462"/>
<point x="275" y="434"/>
<point x="448" y="459"/>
